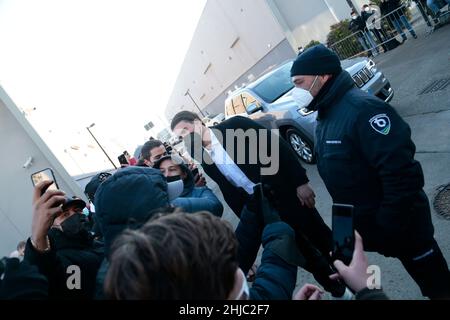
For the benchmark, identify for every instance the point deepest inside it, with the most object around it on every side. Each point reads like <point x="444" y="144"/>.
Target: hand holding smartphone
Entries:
<point x="343" y="233"/>
<point x="195" y="174"/>
<point x="45" y="175"/>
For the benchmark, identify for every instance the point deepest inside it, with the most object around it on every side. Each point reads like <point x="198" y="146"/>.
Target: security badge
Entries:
<point x="381" y="123"/>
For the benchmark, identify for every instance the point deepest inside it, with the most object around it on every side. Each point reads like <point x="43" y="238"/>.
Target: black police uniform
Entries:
<point x="366" y="158"/>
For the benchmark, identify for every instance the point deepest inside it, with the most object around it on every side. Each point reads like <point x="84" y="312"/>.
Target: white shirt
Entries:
<point x="227" y="167"/>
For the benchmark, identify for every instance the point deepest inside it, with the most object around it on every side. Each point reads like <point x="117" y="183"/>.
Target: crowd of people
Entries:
<point x="154" y="230"/>
<point x="377" y="28"/>
<point x="369" y="26"/>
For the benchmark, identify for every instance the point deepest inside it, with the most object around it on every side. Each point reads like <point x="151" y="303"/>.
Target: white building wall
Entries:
<point x="231" y="37"/>
<point x="19" y="141"/>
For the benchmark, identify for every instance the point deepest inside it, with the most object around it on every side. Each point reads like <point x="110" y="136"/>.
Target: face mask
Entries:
<point x="303" y="97"/>
<point x="367" y="9"/>
<point x="354" y="17"/>
<point x="244" y="292"/>
<point x="75" y="225"/>
<point x="173" y="178"/>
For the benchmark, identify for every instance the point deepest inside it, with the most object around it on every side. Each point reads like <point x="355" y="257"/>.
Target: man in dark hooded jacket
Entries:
<point x="127" y="200"/>
<point x="61" y="245"/>
<point x="366" y="159"/>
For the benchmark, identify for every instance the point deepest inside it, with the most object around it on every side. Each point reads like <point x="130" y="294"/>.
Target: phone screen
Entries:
<point x="194" y="172"/>
<point x="343" y="233"/>
<point x="46" y="174"/>
<point x="122" y="159"/>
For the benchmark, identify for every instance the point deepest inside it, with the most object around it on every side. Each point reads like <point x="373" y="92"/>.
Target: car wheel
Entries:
<point x="302" y="147"/>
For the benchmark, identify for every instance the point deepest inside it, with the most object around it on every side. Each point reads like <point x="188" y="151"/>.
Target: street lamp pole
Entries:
<point x="352" y="6"/>
<point x="189" y="94"/>
<point x="100" y="145"/>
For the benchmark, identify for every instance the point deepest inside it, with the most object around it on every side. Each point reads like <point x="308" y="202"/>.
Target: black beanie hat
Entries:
<point x="317" y="60"/>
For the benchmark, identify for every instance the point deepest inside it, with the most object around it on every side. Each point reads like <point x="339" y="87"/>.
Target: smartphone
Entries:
<point x="194" y="172"/>
<point x="343" y="232"/>
<point x="46" y="174"/>
<point x="123" y="159"/>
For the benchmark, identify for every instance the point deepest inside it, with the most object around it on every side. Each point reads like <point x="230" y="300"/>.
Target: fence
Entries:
<point x="380" y="34"/>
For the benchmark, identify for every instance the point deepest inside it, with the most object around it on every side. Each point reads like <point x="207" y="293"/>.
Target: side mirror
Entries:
<point x="252" y="108"/>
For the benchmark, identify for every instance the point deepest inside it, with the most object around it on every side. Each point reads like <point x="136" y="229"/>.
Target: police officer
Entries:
<point x="366" y="158"/>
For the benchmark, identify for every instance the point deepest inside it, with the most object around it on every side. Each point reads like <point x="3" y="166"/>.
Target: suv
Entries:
<point x="268" y="101"/>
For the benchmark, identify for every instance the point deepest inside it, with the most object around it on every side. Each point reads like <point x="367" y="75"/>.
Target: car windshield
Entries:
<point x="276" y="84"/>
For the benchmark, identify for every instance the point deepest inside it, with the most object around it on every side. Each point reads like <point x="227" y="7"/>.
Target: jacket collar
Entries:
<point x="331" y="93"/>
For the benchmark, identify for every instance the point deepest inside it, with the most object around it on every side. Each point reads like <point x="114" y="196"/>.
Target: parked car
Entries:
<point x="268" y="101"/>
<point x="213" y="120"/>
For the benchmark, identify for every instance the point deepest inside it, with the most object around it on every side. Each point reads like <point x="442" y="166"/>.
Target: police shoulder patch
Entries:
<point x="381" y="123"/>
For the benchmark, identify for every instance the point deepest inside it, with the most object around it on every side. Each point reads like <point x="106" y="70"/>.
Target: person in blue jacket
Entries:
<point x="193" y="198"/>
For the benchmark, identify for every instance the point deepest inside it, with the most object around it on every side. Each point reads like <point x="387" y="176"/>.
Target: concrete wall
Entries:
<point x="19" y="141"/>
<point x="307" y="20"/>
<point x="231" y="37"/>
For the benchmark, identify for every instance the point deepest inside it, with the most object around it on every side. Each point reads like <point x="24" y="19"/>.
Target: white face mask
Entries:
<point x="244" y="292"/>
<point x="354" y="17"/>
<point x="303" y="97"/>
<point x="367" y="9"/>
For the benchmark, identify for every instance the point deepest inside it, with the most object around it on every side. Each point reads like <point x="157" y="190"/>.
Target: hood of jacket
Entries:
<point x="331" y="93"/>
<point x="127" y="199"/>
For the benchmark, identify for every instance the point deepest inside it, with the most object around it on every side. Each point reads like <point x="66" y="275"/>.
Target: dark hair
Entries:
<point x="184" y="116"/>
<point x="175" y="256"/>
<point x="148" y="147"/>
<point x="175" y="158"/>
<point x="141" y="163"/>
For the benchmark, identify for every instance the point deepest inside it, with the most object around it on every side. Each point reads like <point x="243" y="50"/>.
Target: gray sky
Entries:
<point x="108" y="62"/>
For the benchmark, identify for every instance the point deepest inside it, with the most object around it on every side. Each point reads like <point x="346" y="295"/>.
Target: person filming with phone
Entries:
<point x="61" y="245"/>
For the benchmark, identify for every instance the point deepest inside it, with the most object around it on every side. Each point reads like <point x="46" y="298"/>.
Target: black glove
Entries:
<point x="22" y="281"/>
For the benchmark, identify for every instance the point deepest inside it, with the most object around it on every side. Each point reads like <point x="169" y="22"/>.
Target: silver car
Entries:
<point x="268" y="101"/>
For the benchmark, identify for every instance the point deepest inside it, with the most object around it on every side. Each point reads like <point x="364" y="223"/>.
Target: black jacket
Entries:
<point x="366" y="15"/>
<point x="65" y="252"/>
<point x="357" y="24"/>
<point x="384" y="8"/>
<point x="393" y="5"/>
<point x="290" y="173"/>
<point x="366" y="158"/>
<point x="283" y="183"/>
